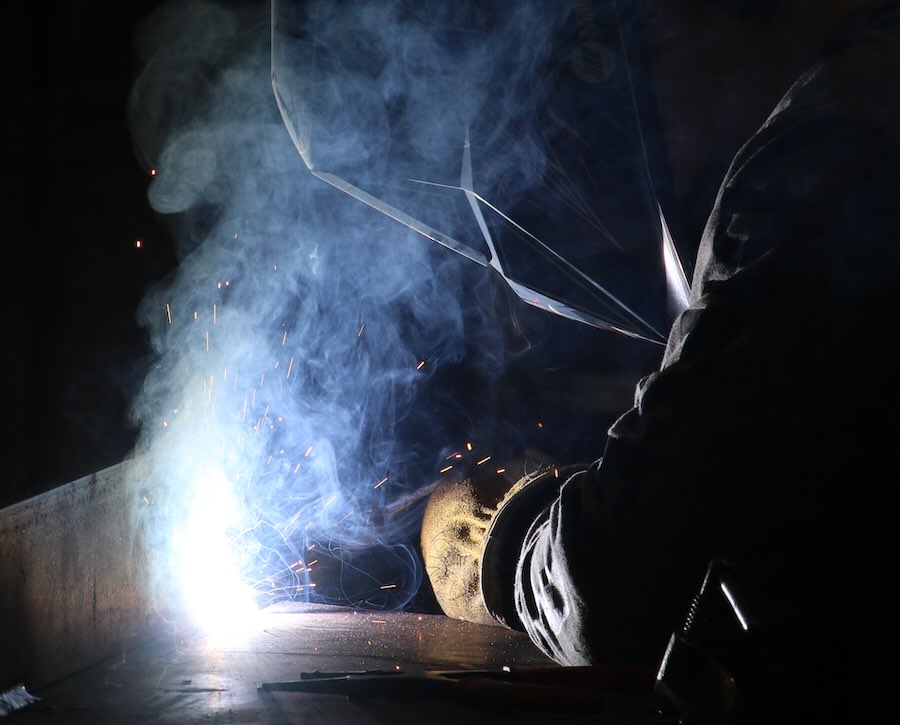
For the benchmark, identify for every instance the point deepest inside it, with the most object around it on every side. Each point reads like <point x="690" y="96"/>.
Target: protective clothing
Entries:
<point x="768" y="435"/>
<point x="458" y="518"/>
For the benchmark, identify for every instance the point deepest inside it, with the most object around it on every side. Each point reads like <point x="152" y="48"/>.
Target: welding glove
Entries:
<point x="470" y="563"/>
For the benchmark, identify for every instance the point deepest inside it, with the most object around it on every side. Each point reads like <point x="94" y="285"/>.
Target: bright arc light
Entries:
<point x="214" y="595"/>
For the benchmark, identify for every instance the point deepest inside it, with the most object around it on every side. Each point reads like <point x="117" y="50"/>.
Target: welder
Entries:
<point x="767" y="437"/>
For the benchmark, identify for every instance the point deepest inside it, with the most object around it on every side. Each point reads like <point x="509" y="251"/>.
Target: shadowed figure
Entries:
<point x="767" y="435"/>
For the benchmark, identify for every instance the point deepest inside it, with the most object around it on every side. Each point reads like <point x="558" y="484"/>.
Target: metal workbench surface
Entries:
<point x="193" y="678"/>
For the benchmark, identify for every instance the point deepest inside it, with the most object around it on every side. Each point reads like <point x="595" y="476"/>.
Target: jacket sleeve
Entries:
<point x="743" y="443"/>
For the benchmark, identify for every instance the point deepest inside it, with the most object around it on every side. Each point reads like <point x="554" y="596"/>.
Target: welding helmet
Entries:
<point x="522" y="136"/>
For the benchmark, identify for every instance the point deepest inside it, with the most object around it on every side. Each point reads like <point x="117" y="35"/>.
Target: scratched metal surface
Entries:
<point x="71" y="573"/>
<point x="167" y="679"/>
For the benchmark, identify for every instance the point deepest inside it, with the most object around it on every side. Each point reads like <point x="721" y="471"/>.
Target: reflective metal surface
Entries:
<point x="172" y="679"/>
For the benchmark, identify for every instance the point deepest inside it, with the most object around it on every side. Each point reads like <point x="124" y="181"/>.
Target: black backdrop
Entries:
<point x="74" y="206"/>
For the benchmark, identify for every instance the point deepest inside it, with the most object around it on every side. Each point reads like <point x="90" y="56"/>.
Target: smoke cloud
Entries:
<point x="303" y="392"/>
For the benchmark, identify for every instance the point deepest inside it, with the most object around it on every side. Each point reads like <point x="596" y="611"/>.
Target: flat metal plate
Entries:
<point x="72" y="574"/>
<point x="177" y="679"/>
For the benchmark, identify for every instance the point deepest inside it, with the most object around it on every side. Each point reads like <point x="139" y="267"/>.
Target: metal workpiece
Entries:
<point x="71" y="577"/>
<point x="78" y="632"/>
<point x="295" y="662"/>
<point x="81" y="643"/>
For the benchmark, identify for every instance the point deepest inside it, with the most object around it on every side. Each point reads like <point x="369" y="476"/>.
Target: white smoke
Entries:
<point x="296" y="338"/>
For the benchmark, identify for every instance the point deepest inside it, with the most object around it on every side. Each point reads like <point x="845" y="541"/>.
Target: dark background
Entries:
<point x="74" y="204"/>
<point x="74" y="207"/>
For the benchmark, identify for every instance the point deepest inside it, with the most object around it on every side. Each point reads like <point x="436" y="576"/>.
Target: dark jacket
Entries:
<point x="770" y="433"/>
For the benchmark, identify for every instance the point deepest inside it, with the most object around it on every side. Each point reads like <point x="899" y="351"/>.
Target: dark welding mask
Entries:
<point x="522" y="136"/>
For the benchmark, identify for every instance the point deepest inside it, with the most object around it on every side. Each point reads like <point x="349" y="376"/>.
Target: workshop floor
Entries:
<point x="200" y="680"/>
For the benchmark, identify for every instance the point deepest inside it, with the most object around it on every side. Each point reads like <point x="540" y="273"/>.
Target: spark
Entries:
<point x="169" y="313"/>
<point x="314" y="561"/>
<point x="344" y="518"/>
<point x="207" y="341"/>
<point x="297" y="468"/>
<point x="284" y="338"/>
<point x="556" y="473"/>
<point x="483" y="460"/>
<point x="388" y="586"/>
<point x="378" y="621"/>
<point x="146" y="500"/>
<point x="308" y="451"/>
<point x="420" y="365"/>
<point x="381" y="482"/>
<point x="290" y="367"/>
<point x="152" y="172"/>
<point x="196" y="315"/>
<point x="310" y="547"/>
<point x="540" y="425"/>
<point x="214" y="313"/>
<point x="446" y="468"/>
<point x="362" y="327"/>
<point x="329" y="501"/>
<point x="468" y="446"/>
<point x="138" y="244"/>
<point x="501" y="470"/>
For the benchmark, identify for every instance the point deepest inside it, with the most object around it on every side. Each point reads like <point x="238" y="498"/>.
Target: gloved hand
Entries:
<point x="470" y="550"/>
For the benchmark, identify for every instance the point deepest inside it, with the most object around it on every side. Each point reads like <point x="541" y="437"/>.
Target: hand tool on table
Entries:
<point x="554" y="688"/>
